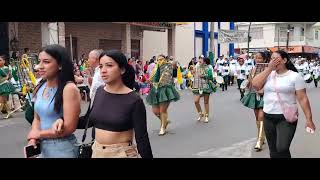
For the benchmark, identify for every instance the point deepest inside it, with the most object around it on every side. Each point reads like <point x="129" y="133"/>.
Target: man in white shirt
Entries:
<point x="225" y="75"/>
<point x="152" y="64"/>
<point x="233" y="65"/>
<point x="95" y="81"/>
<point x="305" y="67"/>
<point x="249" y="62"/>
<point x="241" y="75"/>
<point x="219" y="65"/>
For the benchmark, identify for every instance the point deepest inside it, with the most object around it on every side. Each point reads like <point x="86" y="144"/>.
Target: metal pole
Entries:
<point x="278" y="38"/>
<point x="249" y="38"/>
<point x="71" y="48"/>
<point x="288" y="32"/>
<point x="212" y="48"/>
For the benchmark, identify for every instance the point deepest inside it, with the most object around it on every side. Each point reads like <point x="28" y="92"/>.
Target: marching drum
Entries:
<point x="219" y="80"/>
<point x="244" y="84"/>
<point x="307" y="78"/>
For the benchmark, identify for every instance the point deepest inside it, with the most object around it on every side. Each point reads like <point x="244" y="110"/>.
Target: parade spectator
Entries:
<point x="145" y="67"/>
<point x="283" y="87"/>
<point x="82" y="84"/>
<point x="115" y="131"/>
<point x="94" y="78"/>
<point x="57" y="100"/>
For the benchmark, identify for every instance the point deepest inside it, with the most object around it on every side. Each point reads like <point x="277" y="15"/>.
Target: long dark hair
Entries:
<point x="289" y="64"/>
<point x="66" y="74"/>
<point x="206" y="60"/>
<point x="128" y="78"/>
<point x="266" y="56"/>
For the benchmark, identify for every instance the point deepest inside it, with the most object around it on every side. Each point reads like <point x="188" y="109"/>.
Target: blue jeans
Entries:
<point x="66" y="147"/>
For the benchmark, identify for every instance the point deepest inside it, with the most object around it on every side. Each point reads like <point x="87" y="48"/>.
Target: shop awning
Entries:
<point x="297" y="49"/>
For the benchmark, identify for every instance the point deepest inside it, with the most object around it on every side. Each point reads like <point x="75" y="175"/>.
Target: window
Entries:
<point x="284" y="32"/>
<point x="256" y="32"/>
<point x="108" y="44"/>
<point x="199" y="26"/>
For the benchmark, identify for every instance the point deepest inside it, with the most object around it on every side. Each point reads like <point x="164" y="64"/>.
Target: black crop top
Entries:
<point x="122" y="112"/>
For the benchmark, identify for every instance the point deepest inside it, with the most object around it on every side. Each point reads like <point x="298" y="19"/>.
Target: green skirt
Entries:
<point x="162" y="94"/>
<point x="250" y="100"/>
<point x="212" y="88"/>
<point x="6" y="89"/>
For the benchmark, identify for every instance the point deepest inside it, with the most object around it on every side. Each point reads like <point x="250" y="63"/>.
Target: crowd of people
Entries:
<point x="269" y="83"/>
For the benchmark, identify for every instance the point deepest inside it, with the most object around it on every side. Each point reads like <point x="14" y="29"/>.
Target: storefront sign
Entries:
<point x="310" y="49"/>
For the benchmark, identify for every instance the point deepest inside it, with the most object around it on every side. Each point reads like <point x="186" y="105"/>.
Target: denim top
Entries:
<point x="44" y="107"/>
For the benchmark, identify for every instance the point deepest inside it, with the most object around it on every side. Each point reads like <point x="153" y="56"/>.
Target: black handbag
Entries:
<point x="85" y="149"/>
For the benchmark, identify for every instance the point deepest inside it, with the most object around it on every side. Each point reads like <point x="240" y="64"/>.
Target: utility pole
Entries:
<point x="278" y="38"/>
<point x="249" y="38"/>
<point x="212" y="49"/>
<point x="288" y="33"/>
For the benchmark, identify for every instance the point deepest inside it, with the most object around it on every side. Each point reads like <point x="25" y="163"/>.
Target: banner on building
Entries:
<point x="232" y="36"/>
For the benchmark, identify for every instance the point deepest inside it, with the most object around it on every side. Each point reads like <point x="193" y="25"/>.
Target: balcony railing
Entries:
<point x="293" y="38"/>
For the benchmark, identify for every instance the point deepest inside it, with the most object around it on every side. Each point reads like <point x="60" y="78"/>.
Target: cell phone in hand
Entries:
<point x="30" y="151"/>
<point x="309" y="130"/>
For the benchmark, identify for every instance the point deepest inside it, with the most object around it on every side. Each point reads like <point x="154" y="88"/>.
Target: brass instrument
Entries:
<point x="26" y="77"/>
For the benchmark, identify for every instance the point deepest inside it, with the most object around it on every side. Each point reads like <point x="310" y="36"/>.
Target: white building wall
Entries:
<point x="270" y="33"/>
<point x="154" y="44"/>
<point x="184" y="43"/>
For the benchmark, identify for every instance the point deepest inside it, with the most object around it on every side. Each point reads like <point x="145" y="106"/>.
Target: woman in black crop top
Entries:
<point x="118" y="113"/>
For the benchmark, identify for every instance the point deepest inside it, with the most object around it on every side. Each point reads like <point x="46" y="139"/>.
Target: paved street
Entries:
<point x="230" y="133"/>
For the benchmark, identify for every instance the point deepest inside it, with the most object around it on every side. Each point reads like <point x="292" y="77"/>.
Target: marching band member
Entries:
<point x="314" y="69"/>
<point x="241" y="75"/>
<point x="225" y="75"/>
<point x="305" y="66"/>
<point x="219" y="65"/>
<point x="233" y="67"/>
<point x="202" y="86"/>
<point x="162" y="91"/>
<point x="6" y="88"/>
<point x="249" y="63"/>
<point x="300" y="67"/>
<point x="254" y="99"/>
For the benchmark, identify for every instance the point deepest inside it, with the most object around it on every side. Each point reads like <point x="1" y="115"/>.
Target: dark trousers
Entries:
<point x="239" y="81"/>
<point x="315" y="83"/>
<point x="225" y="83"/>
<point x="231" y="80"/>
<point x="279" y="134"/>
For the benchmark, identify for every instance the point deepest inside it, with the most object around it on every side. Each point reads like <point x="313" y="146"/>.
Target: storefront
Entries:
<point x="308" y="52"/>
<point x="81" y="37"/>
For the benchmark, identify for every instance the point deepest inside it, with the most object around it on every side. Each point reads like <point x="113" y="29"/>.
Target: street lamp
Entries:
<point x="288" y="33"/>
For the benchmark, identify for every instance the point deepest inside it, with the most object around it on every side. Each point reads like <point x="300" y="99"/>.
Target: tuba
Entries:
<point x="27" y="80"/>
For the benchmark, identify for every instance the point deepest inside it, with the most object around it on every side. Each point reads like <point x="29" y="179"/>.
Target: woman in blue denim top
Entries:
<point x="57" y="99"/>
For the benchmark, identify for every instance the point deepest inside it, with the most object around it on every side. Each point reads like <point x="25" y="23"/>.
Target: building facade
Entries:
<point x="80" y="37"/>
<point x="303" y="37"/>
